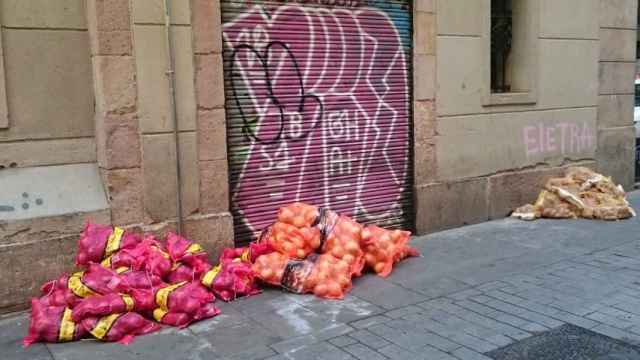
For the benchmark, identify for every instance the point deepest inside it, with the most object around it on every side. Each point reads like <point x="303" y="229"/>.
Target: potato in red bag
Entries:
<point x="52" y="324"/>
<point x="95" y="280"/>
<point x="185" y="251"/>
<point x="343" y="242"/>
<point x="153" y="258"/>
<point x="57" y="293"/>
<point x="98" y="242"/>
<point x="298" y="214"/>
<point x="182" y="272"/>
<point x="136" y="279"/>
<point x="119" y="327"/>
<point x="383" y="247"/>
<point x="102" y="305"/>
<point x="294" y="242"/>
<point x="270" y="267"/>
<point x="180" y="319"/>
<point x="230" y="280"/>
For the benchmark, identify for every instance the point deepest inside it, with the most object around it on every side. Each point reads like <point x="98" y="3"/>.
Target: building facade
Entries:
<point x="206" y="116"/>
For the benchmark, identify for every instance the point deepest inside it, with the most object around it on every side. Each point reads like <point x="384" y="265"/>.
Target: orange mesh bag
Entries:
<point x="270" y="267"/>
<point x="52" y="324"/>
<point x="343" y="242"/>
<point x="382" y="248"/>
<point x="298" y="214"/>
<point x="119" y="327"/>
<point x="292" y="241"/>
<point x="330" y="278"/>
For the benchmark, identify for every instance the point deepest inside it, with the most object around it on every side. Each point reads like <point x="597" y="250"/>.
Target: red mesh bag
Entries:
<point x="185" y="251"/>
<point x="98" y="242"/>
<point x="57" y="293"/>
<point x="123" y="259"/>
<point x="230" y="280"/>
<point x="95" y="280"/>
<point x="343" y="242"/>
<point x="298" y="214"/>
<point x="102" y="305"/>
<point x="51" y="324"/>
<point x="330" y="278"/>
<point x="182" y="272"/>
<point x="135" y="279"/>
<point x="292" y="241"/>
<point x="247" y="254"/>
<point x="270" y="267"/>
<point x="181" y="320"/>
<point x="383" y="248"/>
<point x="119" y="327"/>
<point x="153" y="258"/>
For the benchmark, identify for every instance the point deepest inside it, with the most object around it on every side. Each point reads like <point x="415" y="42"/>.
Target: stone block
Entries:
<point x="116" y="43"/>
<point x="184" y="82"/>
<point x="152" y="12"/>
<point x="424" y="33"/>
<point x="41" y="228"/>
<point x="45" y="103"/>
<point x="425" y="162"/>
<point x="615" y="110"/>
<point x="511" y="190"/>
<point x="584" y="24"/>
<point x="50" y="191"/>
<point x="617" y="45"/>
<point x="125" y="191"/>
<point x="425" y="5"/>
<point x="207" y="27"/>
<point x="424" y="77"/>
<point x="118" y="141"/>
<point x="212" y="135"/>
<point x="476" y="145"/>
<point x="153" y="84"/>
<point x="616" y="154"/>
<point x="115" y="83"/>
<point x="441" y="206"/>
<point x="424" y="120"/>
<point x="47" y="152"/>
<point x="108" y="15"/>
<point x="60" y="14"/>
<point x="29" y="265"/>
<point x="189" y="173"/>
<point x="214" y="232"/>
<point x="617" y="77"/>
<point x="619" y="13"/>
<point x="209" y="81"/>
<point x="461" y="17"/>
<point x="160" y="180"/>
<point x="214" y="186"/>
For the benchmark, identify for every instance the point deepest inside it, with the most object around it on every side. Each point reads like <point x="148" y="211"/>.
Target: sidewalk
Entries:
<point x="476" y="289"/>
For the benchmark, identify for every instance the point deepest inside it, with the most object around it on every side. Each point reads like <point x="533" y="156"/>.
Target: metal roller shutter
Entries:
<point x="318" y="98"/>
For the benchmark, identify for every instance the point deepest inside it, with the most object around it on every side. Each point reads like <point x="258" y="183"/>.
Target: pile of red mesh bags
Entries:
<point x="319" y="251"/>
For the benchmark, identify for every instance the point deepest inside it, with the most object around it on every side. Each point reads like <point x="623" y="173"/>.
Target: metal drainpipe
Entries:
<point x="170" y="73"/>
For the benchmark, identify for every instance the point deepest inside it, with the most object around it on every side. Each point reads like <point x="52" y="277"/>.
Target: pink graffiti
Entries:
<point x="558" y="139"/>
<point x="329" y="92"/>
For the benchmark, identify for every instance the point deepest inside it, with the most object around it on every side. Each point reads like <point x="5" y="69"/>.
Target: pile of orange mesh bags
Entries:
<point x="130" y="285"/>
<point x="581" y="193"/>
<point x="320" y="252"/>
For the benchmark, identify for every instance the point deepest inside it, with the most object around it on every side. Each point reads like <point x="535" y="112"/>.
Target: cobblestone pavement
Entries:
<point x="476" y="289"/>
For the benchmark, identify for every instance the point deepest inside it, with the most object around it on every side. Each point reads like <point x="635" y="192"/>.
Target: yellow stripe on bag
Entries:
<point x="67" y="327"/>
<point x="104" y="325"/>
<point x="163" y="253"/>
<point x="128" y="301"/>
<point x="122" y="269"/>
<point x="106" y="262"/>
<point x="77" y="287"/>
<point x="113" y="242"/>
<point x="158" y="314"/>
<point x="194" y="248"/>
<point x="208" y="278"/>
<point x="245" y="256"/>
<point x="162" y="296"/>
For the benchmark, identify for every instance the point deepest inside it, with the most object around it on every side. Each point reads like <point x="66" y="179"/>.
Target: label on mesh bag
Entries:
<point x="113" y="242"/>
<point x="76" y="285"/>
<point x="296" y="272"/>
<point x="325" y="222"/>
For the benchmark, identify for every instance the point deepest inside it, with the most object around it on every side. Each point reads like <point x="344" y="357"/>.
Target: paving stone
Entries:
<point x="346" y="310"/>
<point x="239" y="337"/>
<point x="466" y="354"/>
<point x="395" y="352"/>
<point x="363" y="353"/>
<point x="403" y="311"/>
<point x="318" y="351"/>
<point x="12" y="330"/>
<point x="370" y="321"/>
<point x="378" y="291"/>
<point x="343" y="340"/>
<point x="298" y="342"/>
<point x="460" y="337"/>
<point x="524" y="313"/>
<point x="259" y="352"/>
<point x="369" y="339"/>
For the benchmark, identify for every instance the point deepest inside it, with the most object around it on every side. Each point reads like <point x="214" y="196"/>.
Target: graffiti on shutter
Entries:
<point x="318" y="109"/>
